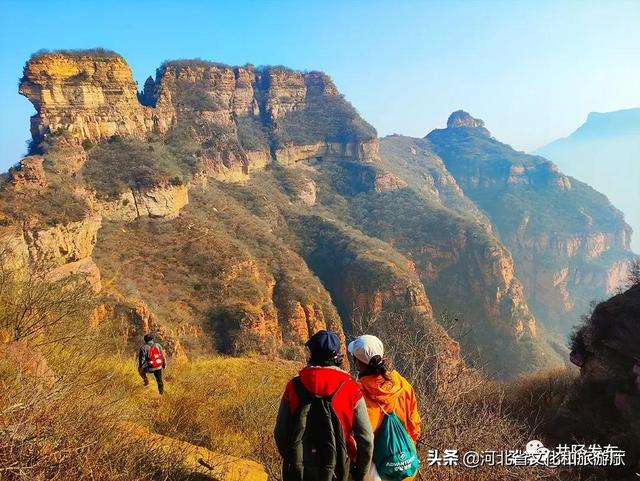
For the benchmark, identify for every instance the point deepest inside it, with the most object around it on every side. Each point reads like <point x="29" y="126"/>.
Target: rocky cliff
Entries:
<point x="131" y="155"/>
<point x="448" y="244"/>
<point x="603" y="404"/>
<point x="240" y="209"/>
<point x="241" y="117"/>
<point x="570" y="245"/>
<point x="82" y="95"/>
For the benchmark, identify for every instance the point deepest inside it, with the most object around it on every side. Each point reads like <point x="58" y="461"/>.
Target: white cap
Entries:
<point x="365" y="347"/>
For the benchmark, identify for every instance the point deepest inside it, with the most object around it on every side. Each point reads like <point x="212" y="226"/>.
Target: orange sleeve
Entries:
<point x="413" y="416"/>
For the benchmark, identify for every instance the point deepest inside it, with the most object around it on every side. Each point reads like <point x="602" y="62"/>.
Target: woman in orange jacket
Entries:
<point x="384" y="390"/>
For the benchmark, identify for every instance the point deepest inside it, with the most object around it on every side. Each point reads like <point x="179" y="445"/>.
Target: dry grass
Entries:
<point x="227" y="405"/>
<point x="72" y="428"/>
<point x="464" y="411"/>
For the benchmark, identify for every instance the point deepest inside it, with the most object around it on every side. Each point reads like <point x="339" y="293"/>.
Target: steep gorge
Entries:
<point x="570" y="245"/>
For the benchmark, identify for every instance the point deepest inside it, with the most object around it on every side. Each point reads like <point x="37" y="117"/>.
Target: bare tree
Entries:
<point x="460" y="408"/>
<point x="32" y="301"/>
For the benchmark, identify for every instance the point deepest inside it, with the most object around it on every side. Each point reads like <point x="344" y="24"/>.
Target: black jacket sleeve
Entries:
<point x="282" y="430"/>
<point x="142" y="357"/>
<point x="363" y="435"/>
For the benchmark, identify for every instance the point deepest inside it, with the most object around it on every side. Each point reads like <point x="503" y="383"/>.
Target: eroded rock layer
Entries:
<point x="570" y="245"/>
<point x="241" y="209"/>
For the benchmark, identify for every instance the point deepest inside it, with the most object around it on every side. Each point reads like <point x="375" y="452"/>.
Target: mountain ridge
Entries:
<point x="603" y="152"/>
<point x="257" y="206"/>
<point x="555" y="249"/>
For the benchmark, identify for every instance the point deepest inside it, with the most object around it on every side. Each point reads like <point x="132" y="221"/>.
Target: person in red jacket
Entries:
<point x="152" y="359"/>
<point x="324" y="378"/>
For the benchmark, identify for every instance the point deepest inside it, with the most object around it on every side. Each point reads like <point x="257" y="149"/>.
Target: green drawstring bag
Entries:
<point x="394" y="453"/>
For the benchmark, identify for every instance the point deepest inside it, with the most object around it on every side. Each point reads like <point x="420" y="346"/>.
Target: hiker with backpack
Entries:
<point x="393" y="412"/>
<point x="152" y="359"/>
<point x="322" y="429"/>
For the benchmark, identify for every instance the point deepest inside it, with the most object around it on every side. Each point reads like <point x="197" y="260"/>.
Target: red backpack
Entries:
<point x="155" y="357"/>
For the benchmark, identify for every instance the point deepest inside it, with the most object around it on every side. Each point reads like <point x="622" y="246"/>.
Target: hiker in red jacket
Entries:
<point x="152" y="359"/>
<point x="322" y="430"/>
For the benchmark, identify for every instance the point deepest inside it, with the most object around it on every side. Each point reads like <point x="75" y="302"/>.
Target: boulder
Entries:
<point x="27" y="360"/>
<point x="201" y="461"/>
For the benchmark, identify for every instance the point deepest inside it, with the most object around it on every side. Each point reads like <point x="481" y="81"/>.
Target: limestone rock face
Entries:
<point x="161" y="202"/>
<point x="460" y="118"/>
<point x="388" y="181"/>
<point x="137" y="313"/>
<point x="90" y="96"/>
<point x="361" y="151"/>
<point x="239" y="115"/>
<point x="86" y="269"/>
<point x="29" y="175"/>
<point x="122" y="208"/>
<point x="64" y="243"/>
<point x="569" y="243"/>
<point x="499" y="295"/>
<point x="156" y="202"/>
<point x="64" y="250"/>
<point x="287" y="92"/>
<point x="559" y="288"/>
<point x="306" y="193"/>
<point x="14" y="251"/>
<point x="277" y="318"/>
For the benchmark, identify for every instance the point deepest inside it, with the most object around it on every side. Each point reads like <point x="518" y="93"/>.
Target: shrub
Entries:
<point x="326" y="118"/>
<point x="55" y="205"/>
<point x="194" y="96"/>
<point x="87" y="144"/>
<point x="118" y="165"/>
<point x="191" y="63"/>
<point x="252" y="134"/>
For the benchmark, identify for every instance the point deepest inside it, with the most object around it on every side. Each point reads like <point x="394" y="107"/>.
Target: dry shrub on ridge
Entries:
<point x="464" y="411"/>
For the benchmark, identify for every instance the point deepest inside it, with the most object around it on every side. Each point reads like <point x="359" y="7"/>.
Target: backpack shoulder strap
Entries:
<point x="304" y="394"/>
<point x="395" y="404"/>
<point x="301" y="391"/>
<point x="333" y="394"/>
<point x="145" y="350"/>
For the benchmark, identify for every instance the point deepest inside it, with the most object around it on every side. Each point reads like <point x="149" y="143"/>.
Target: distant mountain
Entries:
<point x="605" y="153"/>
<point x="569" y="244"/>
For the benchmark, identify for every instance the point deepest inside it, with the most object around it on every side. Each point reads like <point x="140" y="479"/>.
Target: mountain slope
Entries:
<point x="570" y="245"/>
<point x="191" y="207"/>
<point x="605" y="153"/>
<point x="240" y="209"/>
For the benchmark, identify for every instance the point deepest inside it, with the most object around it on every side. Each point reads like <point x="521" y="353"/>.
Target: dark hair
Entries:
<point x="376" y="367"/>
<point x="148" y="337"/>
<point x="326" y="359"/>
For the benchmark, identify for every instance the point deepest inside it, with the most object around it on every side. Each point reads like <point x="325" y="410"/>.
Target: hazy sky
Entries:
<point x="532" y="70"/>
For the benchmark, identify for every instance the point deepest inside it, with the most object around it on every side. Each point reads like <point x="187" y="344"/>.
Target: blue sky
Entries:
<point x="531" y="69"/>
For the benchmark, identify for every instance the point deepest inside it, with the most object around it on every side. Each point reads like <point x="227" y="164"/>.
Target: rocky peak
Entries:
<point x="148" y="95"/>
<point x="239" y="114"/>
<point x="82" y="95"/>
<point x="460" y="118"/>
